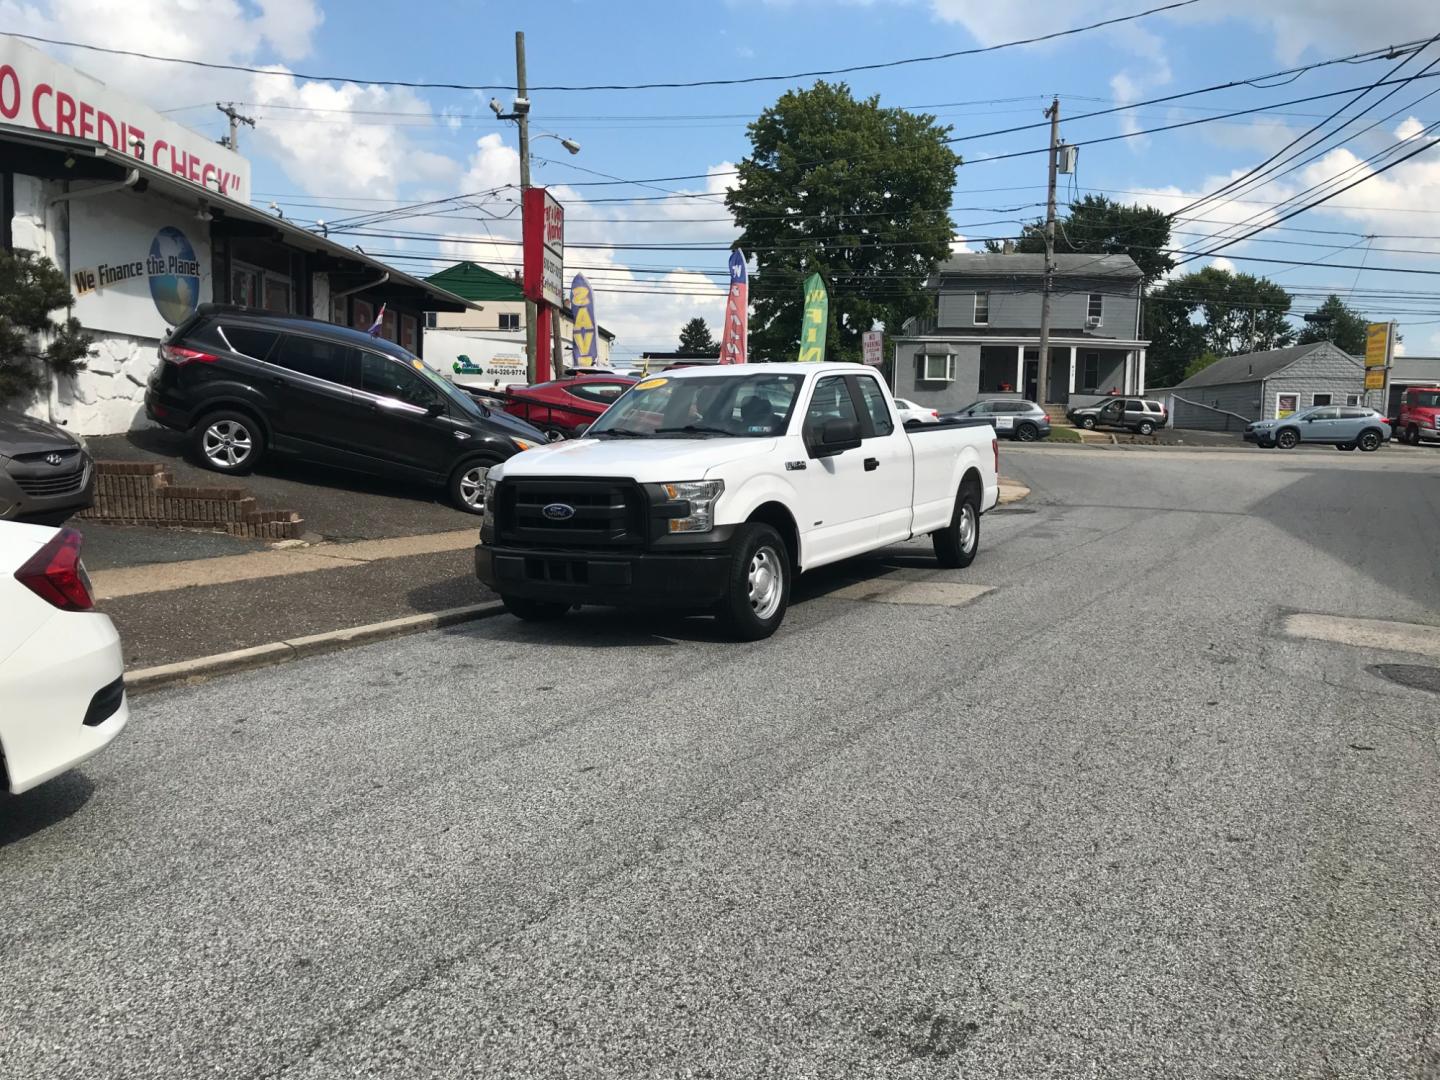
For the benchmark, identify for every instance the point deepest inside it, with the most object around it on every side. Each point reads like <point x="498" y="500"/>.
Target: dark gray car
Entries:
<point x="1012" y="418"/>
<point x="45" y="473"/>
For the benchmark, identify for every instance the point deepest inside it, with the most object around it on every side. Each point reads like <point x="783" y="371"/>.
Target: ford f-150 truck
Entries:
<point x="711" y="489"/>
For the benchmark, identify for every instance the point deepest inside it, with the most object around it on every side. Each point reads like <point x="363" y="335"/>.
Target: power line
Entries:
<point x="793" y="76"/>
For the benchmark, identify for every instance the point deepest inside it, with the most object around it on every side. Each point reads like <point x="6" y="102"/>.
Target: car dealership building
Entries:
<point x="147" y="219"/>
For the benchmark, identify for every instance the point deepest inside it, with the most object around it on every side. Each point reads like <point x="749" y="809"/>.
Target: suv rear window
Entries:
<point x="312" y="356"/>
<point x="250" y="341"/>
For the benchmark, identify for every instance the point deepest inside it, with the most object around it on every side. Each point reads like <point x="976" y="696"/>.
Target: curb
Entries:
<point x="142" y="680"/>
<point x="1011" y="493"/>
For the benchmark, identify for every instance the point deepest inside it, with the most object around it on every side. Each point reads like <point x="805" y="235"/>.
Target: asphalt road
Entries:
<point x="1102" y="821"/>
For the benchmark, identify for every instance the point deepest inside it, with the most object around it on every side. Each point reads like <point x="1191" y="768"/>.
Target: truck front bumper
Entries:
<point x="690" y="579"/>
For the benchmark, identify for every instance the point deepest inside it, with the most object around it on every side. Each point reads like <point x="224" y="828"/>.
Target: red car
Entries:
<point x="561" y="407"/>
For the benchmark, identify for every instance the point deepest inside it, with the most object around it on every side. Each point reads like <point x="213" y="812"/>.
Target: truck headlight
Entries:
<point x="700" y="495"/>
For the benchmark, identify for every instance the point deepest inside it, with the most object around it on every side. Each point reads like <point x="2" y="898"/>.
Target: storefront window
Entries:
<point x="245" y="287"/>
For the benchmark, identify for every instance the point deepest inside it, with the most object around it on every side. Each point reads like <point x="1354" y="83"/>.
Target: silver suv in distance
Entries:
<point x="1023" y="421"/>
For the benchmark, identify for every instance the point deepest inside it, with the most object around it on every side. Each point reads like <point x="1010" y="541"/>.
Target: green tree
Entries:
<point x="1096" y="225"/>
<point x="1345" y="327"/>
<point x="1212" y="311"/>
<point x="853" y="191"/>
<point x="1200" y="363"/>
<point x="31" y="287"/>
<point x="695" y="339"/>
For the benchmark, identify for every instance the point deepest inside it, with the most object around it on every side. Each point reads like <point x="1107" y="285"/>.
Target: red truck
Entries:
<point x="1419" y="415"/>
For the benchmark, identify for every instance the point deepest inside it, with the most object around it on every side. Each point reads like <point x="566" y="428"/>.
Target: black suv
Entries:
<point x="243" y="383"/>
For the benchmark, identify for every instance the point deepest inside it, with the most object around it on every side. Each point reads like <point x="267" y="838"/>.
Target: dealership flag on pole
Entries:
<point x="582" y="338"/>
<point x="813" y="322"/>
<point x="737" y="312"/>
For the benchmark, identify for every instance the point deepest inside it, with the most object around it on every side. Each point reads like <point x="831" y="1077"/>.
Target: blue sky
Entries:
<point x="331" y="150"/>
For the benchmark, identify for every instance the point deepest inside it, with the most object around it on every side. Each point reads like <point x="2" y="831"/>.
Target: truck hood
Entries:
<point x="646" y="461"/>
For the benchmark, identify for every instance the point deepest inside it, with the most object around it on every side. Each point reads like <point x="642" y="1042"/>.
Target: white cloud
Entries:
<point x="324" y="152"/>
<point x="1409" y="128"/>
<point x="221" y="31"/>
<point x="1222" y="263"/>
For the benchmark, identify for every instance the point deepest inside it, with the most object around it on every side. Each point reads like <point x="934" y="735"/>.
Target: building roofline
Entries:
<point x="224" y="207"/>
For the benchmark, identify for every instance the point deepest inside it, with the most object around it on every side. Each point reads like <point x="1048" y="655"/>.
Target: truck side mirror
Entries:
<point x="837" y="436"/>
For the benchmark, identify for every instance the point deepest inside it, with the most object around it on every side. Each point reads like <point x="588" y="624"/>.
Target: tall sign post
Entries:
<point x="1379" y="349"/>
<point x="544" y="276"/>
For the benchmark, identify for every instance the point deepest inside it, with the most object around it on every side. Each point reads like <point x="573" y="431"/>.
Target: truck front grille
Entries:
<point x="570" y="513"/>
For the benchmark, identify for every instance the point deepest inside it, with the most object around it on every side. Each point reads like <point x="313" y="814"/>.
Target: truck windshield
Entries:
<point x="1426" y="399"/>
<point x="730" y="406"/>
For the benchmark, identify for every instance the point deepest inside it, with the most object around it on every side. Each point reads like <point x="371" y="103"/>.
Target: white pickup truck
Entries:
<point x="710" y="489"/>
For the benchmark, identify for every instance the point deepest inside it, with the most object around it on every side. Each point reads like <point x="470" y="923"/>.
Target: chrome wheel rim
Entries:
<point x="555" y="434"/>
<point x="968" y="531"/>
<point x="472" y="486"/>
<point x="227" y="443"/>
<point x="766" y="579"/>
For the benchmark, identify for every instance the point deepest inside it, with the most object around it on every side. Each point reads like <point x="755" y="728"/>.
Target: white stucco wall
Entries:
<point x="123" y="319"/>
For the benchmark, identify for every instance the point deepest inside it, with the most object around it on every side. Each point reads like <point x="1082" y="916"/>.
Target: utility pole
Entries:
<point x="1042" y="387"/>
<point x="521" y="113"/>
<point x="236" y="119"/>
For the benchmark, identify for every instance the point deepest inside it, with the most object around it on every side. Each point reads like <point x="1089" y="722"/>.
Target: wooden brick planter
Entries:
<point x="142" y="493"/>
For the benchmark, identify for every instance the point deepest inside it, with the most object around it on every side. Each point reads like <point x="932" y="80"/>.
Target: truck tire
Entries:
<point x="1414" y="435"/>
<point x="757" y="593"/>
<point x="957" y="543"/>
<point x="534" y="610"/>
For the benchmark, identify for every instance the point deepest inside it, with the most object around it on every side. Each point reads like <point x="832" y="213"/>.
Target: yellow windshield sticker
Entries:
<point x="418" y="365"/>
<point x="650" y="384"/>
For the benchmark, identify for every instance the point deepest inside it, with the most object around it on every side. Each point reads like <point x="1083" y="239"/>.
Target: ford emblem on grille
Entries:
<point x="558" y="511"/>
<point x="54" y="459"/>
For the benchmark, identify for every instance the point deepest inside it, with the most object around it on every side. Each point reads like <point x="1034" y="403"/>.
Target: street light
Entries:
<point x="568" y="144"/>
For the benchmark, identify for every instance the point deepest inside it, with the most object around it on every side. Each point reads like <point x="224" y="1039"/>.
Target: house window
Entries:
<point x="1096" y="310"/>
<point x="1092" y="371"/>
<point x="429" y="320"/>
<point x="982" y="308"/>
<point x="937" y="368"/>
<point x="1320" y="399"/>
<point x="1352" y="399"/>
<point x="509" y="320"/>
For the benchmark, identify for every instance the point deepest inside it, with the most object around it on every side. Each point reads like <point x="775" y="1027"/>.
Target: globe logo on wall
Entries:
<point x="174" y="274"/>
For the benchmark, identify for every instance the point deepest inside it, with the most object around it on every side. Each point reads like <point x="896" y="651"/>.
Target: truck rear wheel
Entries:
<point x="758" y="591"/>
<point x="957" y="543"/>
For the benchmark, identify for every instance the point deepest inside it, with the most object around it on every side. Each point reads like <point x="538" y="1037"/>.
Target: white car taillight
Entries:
<point x="56" y="574"/>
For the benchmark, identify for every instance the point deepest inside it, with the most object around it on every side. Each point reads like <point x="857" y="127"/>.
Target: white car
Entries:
<point x="62" y="687"/>
<point x="911" y="413"/>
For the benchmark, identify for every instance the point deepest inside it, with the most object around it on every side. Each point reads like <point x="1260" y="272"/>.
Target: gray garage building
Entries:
<point x="1232" y="392"/>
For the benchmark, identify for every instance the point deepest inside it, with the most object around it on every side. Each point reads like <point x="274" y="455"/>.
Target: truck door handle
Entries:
<point x="871" y="464"/>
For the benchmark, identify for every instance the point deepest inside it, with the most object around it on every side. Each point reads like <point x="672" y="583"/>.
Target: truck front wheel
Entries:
<point x="758" y="591"/>
<point x="957" y="543"/>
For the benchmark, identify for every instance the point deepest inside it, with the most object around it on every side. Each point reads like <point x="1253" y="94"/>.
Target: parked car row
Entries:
<point x="1022" y="421"/>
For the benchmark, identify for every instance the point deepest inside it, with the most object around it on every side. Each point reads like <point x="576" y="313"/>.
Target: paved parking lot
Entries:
<point x="1084" y="809"/>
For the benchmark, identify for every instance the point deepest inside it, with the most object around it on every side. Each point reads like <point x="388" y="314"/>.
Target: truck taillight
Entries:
<point x="56" y="574"/>
<point x="180" y="356"/>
